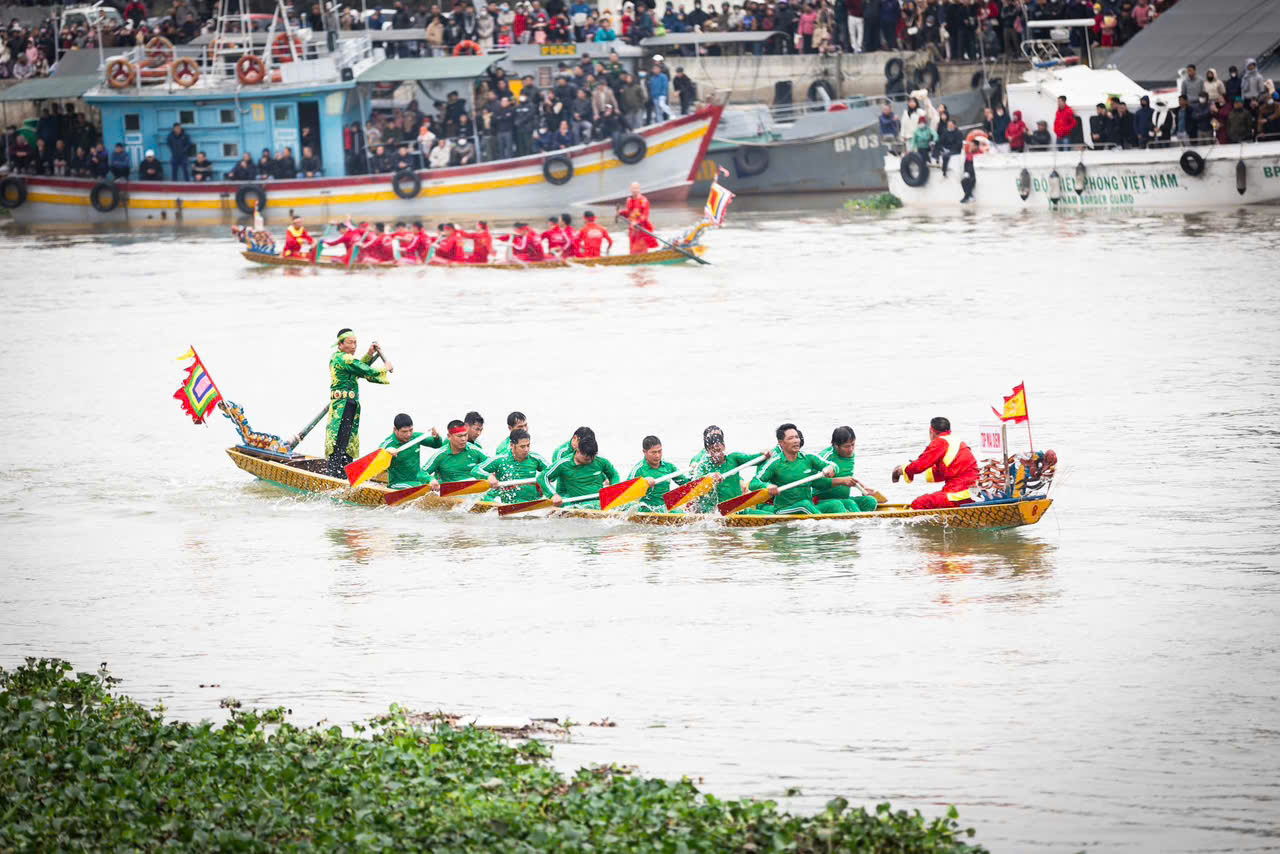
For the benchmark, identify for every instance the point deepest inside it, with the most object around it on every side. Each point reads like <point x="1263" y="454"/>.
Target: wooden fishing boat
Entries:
<point x="306" y="474"/>
<point x="658" y="256"/>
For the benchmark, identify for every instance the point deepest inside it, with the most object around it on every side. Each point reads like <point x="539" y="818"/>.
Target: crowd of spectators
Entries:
<point x="589" y="101"/>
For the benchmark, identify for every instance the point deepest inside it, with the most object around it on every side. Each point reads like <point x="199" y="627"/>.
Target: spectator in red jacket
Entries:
<point x="1064" y="122"/>
<point x="1017" y="132"/>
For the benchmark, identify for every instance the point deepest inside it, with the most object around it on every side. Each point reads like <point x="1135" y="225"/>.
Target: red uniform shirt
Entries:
<point x="637" y="212"/>
<point x="590" y="239"/>
<point x="948" y="461"/>
<point x="556" y="240"/>
<point x="481" y="245"/>
<point x="527" y="245"/>
<point x="449" y="248"/>
<point x="293" y="242"/>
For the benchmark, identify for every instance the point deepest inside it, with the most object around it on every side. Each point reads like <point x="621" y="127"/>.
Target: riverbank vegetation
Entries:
<point x="85" y="767"/>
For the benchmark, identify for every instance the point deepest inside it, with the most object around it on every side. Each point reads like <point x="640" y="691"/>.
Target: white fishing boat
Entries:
<point x="1174" y="176"/>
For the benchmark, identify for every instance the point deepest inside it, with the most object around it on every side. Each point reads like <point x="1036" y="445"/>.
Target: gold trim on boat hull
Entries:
<point x="974" y="516"/>
<point x="658" y="256"/>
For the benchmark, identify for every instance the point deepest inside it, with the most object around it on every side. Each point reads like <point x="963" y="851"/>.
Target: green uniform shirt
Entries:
<point x="653" y="498"/>
<point x="406" y="466"/>
<point x="779" y="472"/>
<point x="730" y="487"/>
<point x="569" y="480"/>
<point x="345" y="370"/>
<point x="844" y="468"/>
<point x="447" y="466"/>
<point x="504" y="447"/>
<point x="565" y="450"/>
<point x="507" y="468"/>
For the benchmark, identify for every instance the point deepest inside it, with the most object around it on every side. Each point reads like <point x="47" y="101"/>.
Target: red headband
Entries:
<point x="453" y="431"/>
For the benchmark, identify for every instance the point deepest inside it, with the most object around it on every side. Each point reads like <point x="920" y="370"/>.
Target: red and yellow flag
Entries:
<point x="1015" y="405"/>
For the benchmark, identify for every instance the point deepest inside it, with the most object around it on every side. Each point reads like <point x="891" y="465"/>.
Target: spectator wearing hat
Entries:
<point x="1239" y="123"/>
<point x="1251" y="84"/>
<point x="1039" y="138"/>
<point x="1101" y="127"/>
<point x="1143" y="122"/>
<point x="1232" y="90"/>
<point x="1269" y="117"/>
<point x="150" y="169"/>
<point x="685" y="89"/>
<point x="180" y="147"/>
<point x="119" y="163"/>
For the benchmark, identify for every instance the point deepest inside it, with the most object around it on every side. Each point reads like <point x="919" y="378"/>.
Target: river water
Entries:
<point x="1106" y="679"/>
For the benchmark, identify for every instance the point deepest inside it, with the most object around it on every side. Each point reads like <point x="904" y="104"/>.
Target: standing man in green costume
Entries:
<point x="458" y="460"/>
<point x="520" y="463"/>
<point x="342" y="433"/>
<point x="651" y="468"/>
<point x="840" y="455"/>
<point x="582" y="473"/>
<point x="792" y="466"/>
<point x="515" y="421"/>
<point x="406" y="468"/>
<point x="714" y="460"/>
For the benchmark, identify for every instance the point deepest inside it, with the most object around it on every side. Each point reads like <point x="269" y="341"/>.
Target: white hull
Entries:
<point x="675" y="149"/>
<point x="1143" y="179"/>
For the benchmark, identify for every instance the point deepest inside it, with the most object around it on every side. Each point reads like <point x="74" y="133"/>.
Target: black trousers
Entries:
<point x="340" y="457"/>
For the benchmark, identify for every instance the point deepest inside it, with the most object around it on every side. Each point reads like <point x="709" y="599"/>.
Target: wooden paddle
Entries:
<point x="667" y="243"/>
<point x="542" y="503"/>
<point x="631" y="490"/>
<point x="760" y="496"/>
<point x="475" y="487"/>
<point x="874" y="493"/>
<point x="695" y="489"/>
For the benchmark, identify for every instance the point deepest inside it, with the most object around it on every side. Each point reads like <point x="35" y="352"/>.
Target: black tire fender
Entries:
<point x="13" y="192"/>
<point x="557" y="177"/>
<point x="893" y="69"/>
<point x="750" y="160"/>
<point x="112" y="200"/>
<point x="248" y="191"/>
<point x="914" y="169"/>
<point x="414" y="184"/>
<point x="1192" y="163"/>
<point x="821" y="86"/>
<point x="631" y="148"/>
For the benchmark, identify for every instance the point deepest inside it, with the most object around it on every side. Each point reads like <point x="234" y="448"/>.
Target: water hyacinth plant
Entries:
<point x="83" y="767"/>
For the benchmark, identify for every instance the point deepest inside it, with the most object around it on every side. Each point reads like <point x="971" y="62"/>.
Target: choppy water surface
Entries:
<point x="1106" y="679"/>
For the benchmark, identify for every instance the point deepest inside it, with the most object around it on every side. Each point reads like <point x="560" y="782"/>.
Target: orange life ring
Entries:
<point x="157" y="53"/>
<point x="186" y="71"/>
<point x="976" y="142"/>
<point x="469" y="47"/>
<point x="120" y="72"/>
<point x="151" y="76"/>
<point x="250" y="70"/>
<point x="280" y="48"/>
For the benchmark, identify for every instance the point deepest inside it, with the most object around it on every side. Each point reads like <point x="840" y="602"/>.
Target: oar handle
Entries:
<point x="302" y="434"/>
<point x="672" y="476"/>
<point x="577" y="498"/>
<point x="525" y="482"/>
<point x="748" y="464"/>
<point x="800" y="482"/>
<point x="407" y="445"/>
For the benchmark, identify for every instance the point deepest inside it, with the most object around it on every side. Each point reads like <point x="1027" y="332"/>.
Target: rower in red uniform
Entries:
<point x="591" y="236"/>
<point x="297" y="243"/>
<point x="418" y="245"/>
<point x="637" y="213"/>
<point x="948" y="460"/>
<point x="570" y="236"/>
<point x="449" y="246"/>
<point x="554" y="237"/>
<point x="375" y="246"/>
<point x="481" y="243"/>
<point x="526" y="243"/>
<point x="349" y="237"/>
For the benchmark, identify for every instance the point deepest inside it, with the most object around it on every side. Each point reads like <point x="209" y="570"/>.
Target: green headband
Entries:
<point x="344" y="336"/>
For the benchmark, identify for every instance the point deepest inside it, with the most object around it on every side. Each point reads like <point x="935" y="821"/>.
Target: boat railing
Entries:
<point x="157" y="70"/>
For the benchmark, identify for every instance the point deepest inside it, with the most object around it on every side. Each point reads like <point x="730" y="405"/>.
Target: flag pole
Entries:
<point x="1026" y="407"/>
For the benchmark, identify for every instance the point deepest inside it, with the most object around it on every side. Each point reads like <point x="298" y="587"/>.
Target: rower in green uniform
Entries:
<point x="793" y="465"/>
<point x="840" y="455"/>
<point x="582" y="473"/>
<point x="651" y="468"/>
<point x="406" y="468"/>
<point x="458" y="460"/>
<point x="474" y="422"/>
<point x="515" y="421"/>
<point x="519" y="464"/>
<point x="342" y="433"/>
<point x="569" y="448"/>
<point x="714" y="460"/>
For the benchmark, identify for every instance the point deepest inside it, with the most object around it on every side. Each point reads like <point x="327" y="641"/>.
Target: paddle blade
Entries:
<point x="370" y="465"/>
<point x="878" y="496"/>
<point x="619" y="494"/>
<point x="400" y="496"/>
<point x="525" y="506"/>
<point x="743" y="502"/>
<point x="464" y="487"/>
<point x="691" y="491"/>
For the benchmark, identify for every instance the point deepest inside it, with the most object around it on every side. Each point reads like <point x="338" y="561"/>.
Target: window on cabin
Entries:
<point x="282" y="114"/>
<point x="132" y="121"/>
<point x="227" y="117"/>
<point x="187" y="117"/>
<point x="230" y="149"/>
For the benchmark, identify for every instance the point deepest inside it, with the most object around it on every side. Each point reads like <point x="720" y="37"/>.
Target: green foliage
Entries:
<point x="881" y="202"/>
<point x="83" y="768"/>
